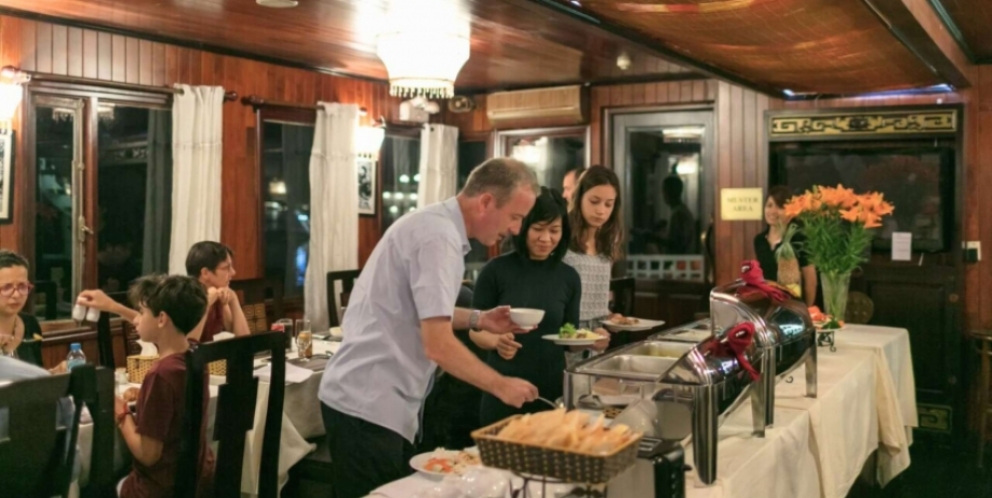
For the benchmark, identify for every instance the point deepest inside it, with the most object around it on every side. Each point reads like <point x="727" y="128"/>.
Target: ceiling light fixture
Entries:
<point x="424" y="44"/>
<point x="368" y="139"/>
<point x="12" y="82"/>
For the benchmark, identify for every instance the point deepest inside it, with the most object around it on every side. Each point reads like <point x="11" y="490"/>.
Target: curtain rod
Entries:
<point x="256" y="102"/>
<point x="11" y="71"/>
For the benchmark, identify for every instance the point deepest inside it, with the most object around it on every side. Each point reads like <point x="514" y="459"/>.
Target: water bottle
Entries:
<point x="76" y="356"/>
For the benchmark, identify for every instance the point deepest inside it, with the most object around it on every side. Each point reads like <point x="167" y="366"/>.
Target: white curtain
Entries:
<point x="333" y="206"/>
<point x="438" y="164"/>
<point x="197" y="145"/>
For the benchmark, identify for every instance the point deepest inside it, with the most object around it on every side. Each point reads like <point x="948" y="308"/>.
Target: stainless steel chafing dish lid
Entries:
<point x="774" y="323"/>
<point x="708" y="363"/>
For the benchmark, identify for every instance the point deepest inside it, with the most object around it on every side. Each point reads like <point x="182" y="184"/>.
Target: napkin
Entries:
<point x="294" y="374"/>
<point x="220" y="336"/>
<point x="147" y="348"/>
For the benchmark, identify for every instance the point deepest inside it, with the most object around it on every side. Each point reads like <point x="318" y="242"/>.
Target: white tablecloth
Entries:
<point x="843" y="417"/>
<point x="301" y="421"/>
<point x="892" y="355"/>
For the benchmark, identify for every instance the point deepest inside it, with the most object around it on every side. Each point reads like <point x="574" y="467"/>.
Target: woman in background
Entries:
<point x="596" y="242"/>
<point x="20" y="332"/>
<point x="767" y="242"/>
<point x="531" y="277"/>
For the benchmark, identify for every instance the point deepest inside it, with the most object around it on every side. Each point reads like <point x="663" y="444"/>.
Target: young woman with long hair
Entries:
<point x="597" y="241"/>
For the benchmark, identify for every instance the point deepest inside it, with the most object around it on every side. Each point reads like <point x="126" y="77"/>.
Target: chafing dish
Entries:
<point x="784" y="333"/>
<point x="672" y="388"/>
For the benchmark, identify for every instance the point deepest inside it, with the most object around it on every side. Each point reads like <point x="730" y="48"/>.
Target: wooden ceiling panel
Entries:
<point x="515" y="43"/>
<point x="822" y="46"/>
<point x="969" y="21"/>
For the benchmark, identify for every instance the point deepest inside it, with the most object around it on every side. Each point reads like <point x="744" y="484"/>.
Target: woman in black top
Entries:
<point x="765" y="243"/>
<point x="533" y="276"/>
<point x="18" y="331"/>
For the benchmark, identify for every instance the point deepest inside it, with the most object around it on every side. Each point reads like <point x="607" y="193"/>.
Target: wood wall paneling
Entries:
<point x="741" y="147"/>
<point x="55" y="49"/>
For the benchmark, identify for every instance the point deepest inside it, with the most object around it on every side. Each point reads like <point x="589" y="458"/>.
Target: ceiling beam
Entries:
<point x="953" y="30"/>
<point x="915" y="24"/>
<point x="652" y="45"/>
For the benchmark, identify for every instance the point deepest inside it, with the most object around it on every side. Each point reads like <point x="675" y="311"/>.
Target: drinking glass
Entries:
<point x="304" y="338"/>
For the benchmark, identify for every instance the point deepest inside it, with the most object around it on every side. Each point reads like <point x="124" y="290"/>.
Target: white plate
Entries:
<point x="568" y="342"/>
<point x="643" y="324"/>
<point x="419" y="462"/>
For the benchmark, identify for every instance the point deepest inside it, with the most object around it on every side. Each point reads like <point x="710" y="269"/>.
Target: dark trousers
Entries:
<point x="364" y="455"/>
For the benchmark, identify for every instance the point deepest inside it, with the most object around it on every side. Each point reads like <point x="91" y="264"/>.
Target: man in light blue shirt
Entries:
<point x="399" y="327"/>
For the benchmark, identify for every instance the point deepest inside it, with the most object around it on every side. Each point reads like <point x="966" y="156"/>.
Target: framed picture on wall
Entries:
<point x="6" y="177"/>
<point x="366" y="186"/>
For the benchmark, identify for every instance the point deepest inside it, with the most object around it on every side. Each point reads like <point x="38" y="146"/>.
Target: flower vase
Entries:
<point x="835" y="287"/>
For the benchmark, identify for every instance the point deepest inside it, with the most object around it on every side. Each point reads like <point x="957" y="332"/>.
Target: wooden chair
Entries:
<point x="622" y="290"/>
<point x="983" y="339"/>
<point x="98" y="397"/>
<point x="104" y="336"/>
<point x="254" y="295"/>
<point x="36" y="459"/>
<point x="233" y="419"/>
<point x="347" y="278"/>
<point x="622" y="301"/>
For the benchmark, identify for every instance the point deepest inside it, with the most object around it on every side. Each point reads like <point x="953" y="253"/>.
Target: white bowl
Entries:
<point x="526" y="317"/>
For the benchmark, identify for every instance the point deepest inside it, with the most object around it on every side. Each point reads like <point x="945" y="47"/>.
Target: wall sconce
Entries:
<point x="368" y="139"/>
<point x="11" y="92"/>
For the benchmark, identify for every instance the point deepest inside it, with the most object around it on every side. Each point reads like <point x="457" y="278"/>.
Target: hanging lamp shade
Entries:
<point x="424" y="44"/>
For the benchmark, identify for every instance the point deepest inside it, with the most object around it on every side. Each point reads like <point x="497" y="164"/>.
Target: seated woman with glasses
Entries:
<point x="20" y="334"/>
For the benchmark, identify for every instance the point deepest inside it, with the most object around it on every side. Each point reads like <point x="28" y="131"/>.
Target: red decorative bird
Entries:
<point x="754" y="279"/>
<point x="738" y="340"/>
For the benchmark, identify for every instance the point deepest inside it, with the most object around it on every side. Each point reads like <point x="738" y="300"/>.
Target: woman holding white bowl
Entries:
<point x="533" y="277"/>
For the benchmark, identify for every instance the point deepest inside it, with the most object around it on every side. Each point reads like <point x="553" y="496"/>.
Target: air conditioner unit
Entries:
<point x="561" y="105"/>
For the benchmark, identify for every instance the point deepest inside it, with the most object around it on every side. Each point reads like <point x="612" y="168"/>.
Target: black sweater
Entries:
<point x="554" y="287"/>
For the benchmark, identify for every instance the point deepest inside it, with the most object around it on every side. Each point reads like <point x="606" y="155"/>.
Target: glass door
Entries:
<point x="663" y="160"/>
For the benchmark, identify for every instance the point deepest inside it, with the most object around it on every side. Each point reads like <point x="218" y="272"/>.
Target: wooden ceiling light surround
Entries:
<point x="822" y="46"/>
<point x="968" y="22"/>
<point x="515" y="43"/>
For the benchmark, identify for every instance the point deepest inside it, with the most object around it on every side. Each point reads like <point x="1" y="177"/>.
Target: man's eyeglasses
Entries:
<point x="8" y="290"/>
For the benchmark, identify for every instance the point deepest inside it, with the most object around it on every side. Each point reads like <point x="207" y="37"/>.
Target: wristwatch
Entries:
<point x="473" y="319"/>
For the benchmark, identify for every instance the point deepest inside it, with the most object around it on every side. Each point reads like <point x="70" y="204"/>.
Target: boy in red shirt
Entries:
<point x="169" y="308"/>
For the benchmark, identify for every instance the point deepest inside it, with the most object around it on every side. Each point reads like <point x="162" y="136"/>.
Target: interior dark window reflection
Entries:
<point x="286" y="192"/>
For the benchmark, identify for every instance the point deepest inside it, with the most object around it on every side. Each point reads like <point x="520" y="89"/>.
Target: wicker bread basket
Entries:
<point x="138" y="366"/>
<point x="567" y="466"/>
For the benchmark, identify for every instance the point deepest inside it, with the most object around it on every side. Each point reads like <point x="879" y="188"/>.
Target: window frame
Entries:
<point x="91" y="97"/>
<point x="503" y="137"/>
<point x="297" y="116"/>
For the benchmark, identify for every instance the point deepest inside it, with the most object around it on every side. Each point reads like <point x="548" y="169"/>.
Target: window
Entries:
<point x="472" y="153"/>
<point x="661" y="159"/>
<point x="102" y="196"/>
<point x="285" y="168"/>
<point x="551" y="152"/>
<point x="400" y="158"/>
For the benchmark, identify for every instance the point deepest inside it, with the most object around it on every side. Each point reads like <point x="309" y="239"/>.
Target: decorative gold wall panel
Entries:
<point x="863" y="123"/>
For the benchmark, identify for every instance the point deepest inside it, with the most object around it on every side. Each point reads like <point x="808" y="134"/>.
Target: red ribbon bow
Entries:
<point x="754" y="279"/>
<point x="738" y="340"/>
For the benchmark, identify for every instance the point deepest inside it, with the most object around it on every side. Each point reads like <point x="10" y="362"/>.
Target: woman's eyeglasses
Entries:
<point x="8" y="290"/>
